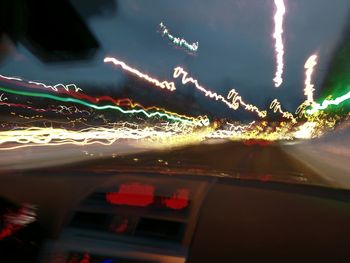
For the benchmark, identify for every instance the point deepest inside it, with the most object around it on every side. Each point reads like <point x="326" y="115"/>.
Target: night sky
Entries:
<point x="236" y="48"/>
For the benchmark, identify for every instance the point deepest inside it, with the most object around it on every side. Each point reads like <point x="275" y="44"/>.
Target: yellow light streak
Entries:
<point x="276" y="107"/>
<point x="161" y="84"/>
<point x="233" y="100"/>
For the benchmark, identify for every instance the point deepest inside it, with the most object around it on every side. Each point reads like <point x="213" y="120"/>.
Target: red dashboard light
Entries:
<point x="178" y="201"/>
<point x="132" y="194"/>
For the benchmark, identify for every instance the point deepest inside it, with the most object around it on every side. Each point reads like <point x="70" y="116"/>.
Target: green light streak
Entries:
<point x="326" y="103"/>
<point x="53" y="97"/>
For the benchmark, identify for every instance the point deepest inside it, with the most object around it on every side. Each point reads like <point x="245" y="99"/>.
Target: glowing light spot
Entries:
<point x="305" y="131"/>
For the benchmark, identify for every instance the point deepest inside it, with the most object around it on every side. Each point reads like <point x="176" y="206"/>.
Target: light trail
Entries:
<point x="326" y="103"/>
<point x="104" y="107"/>
<point x="254" y="131"/>
<point x="175" y="130"/>
<point x="161" y="84"/>
<point x="24" y="106"/>
<point x="22" y="137"/>
<point x="151" y="136"/>
<point x="277" y="35"/>
<point x="309" y="65"/>
<point x="235" y="99"/>
<point x="178" y="41"/>
<point x="2" y="97"/>
<point x="309" y="87"/>
<point x="166" y="134"/>
<point x="61" y="109"/>
<point x="37" y="136"/>
<point x="276" y="107"/>
<point x="231" y="131"/>
<point x="124" y="102"/>
<point x="64" y="110"/>
<point x="300" y="111"/>
<point x="56" y="87"/>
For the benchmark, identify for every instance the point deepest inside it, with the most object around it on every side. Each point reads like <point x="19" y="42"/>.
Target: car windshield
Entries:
<point x="256" y="90"/>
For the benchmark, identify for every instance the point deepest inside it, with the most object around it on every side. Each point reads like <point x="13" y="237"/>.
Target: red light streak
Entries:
<point x="23" y="106"/>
